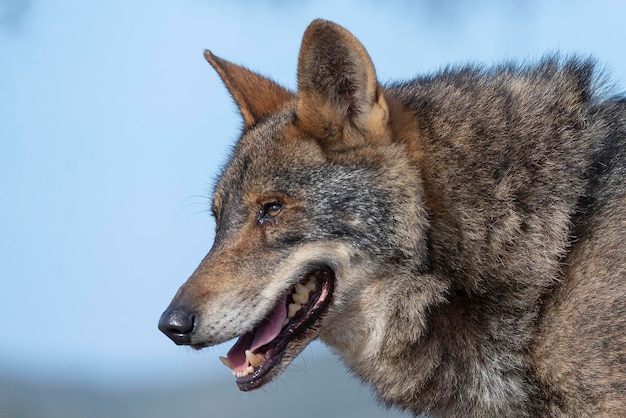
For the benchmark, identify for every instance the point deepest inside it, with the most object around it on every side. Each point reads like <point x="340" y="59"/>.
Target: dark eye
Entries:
<point x="269" y="212"/>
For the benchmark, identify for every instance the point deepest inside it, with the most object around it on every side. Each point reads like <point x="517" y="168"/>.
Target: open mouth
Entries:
<point x="264" y="352"/>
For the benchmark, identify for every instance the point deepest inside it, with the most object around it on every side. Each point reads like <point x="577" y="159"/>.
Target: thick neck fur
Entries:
<point x="500" y="224"/>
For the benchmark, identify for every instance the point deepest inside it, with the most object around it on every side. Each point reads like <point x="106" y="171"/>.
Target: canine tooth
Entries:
<point x="254" y="359"/>
<point x="225" y="362"/>
<point x="249" y="370"/>
<point x="311" y="285"/>
<point x="300" y="298"/>
<point x="293" y="308"/>
<point x="285" y="322"/>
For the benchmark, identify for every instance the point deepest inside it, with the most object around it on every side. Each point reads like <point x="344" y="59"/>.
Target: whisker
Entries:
<point x="205" y="201"/>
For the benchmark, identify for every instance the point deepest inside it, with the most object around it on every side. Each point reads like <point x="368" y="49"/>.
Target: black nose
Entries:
<point x="177" y="323"/>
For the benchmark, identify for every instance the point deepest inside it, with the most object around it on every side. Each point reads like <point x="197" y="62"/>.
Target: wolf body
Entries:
<point x="461" y="236"/>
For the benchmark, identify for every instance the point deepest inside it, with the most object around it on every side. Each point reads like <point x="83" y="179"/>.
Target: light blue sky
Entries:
<point x="112" y="128"/>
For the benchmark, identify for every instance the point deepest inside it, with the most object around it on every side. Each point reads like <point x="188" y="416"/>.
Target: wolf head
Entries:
<point x="319" y="208"/>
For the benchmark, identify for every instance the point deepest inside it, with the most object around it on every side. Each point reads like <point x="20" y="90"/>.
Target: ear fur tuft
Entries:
<point x="255" y="95"/>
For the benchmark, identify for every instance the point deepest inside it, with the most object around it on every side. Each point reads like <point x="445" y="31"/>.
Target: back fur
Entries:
<point x="512" y="161"/>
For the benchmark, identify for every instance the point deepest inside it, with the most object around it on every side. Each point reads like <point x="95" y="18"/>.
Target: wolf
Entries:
<point x="458" y="239"/>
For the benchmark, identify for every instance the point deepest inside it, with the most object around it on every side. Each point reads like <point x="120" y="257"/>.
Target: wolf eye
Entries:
<point x="269" y="212"/>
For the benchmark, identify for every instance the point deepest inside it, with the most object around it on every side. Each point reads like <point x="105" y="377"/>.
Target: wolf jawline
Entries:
<point x="458" y="239"/>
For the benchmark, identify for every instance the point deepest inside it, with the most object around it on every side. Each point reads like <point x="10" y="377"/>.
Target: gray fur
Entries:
<point x="474" y="220"/>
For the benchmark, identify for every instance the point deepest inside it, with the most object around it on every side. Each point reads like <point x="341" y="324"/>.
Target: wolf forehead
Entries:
<point x="346" y="195"/>
<point x="266" y="151"/>
<point x="275" y="157"/>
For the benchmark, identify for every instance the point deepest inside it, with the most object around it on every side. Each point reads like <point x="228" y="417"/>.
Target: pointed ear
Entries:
<point x="340" y="100"/>
<point x="255" y="95"/>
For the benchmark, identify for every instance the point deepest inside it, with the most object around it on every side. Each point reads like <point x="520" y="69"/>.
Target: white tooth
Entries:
<point x="225" y="362"/>
<point x="285" y="322"/>
<point x="302" y="290"/>
<point x="254" y="359"/>
<point x="235" y="373"/>
<point x="293" y="308"/>
<point x="300" y="298"/>
<point x="249" y="370"/>
<point x="311" y="285"/>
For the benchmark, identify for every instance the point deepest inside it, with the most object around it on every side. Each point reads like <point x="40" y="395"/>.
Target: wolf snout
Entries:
<point x="177" y="323"/>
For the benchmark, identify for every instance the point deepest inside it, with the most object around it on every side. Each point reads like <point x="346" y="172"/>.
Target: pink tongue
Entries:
<point x="265" y="333"/>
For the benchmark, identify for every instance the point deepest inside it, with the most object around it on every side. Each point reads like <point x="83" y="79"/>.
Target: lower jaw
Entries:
<point x="265" y="372"/>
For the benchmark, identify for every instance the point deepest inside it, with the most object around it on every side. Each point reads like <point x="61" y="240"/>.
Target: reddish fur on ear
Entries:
<point x="254" y="94"/>
<point x="340" y="100"/>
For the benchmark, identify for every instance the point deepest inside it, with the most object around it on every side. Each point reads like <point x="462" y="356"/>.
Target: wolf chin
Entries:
<point x="457" y="239"/>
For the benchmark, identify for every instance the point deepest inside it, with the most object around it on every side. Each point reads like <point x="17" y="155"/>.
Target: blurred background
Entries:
<point x="112" y="129"/>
